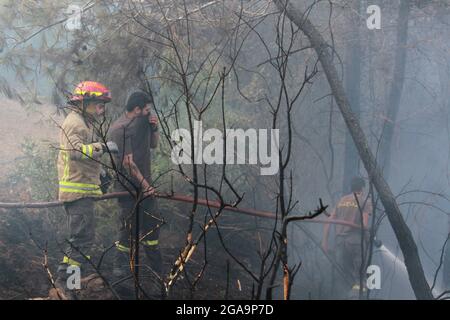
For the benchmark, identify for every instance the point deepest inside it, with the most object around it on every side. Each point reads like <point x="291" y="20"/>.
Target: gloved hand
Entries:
<point x="112" y="147"/>
<point x="105" y="180"/>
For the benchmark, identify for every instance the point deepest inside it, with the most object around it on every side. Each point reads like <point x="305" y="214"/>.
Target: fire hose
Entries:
<point x="173" y="197"/>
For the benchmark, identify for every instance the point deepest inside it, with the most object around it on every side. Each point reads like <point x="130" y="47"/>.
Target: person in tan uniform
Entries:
<point x="352" y="208"/>
<point x="79" y="172"/>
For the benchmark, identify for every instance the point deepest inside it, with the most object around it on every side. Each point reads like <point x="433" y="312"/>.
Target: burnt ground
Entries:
<point x="23" y="235"/>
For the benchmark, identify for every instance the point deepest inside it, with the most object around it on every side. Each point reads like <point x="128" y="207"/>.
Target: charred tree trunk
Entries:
<point x="395" y="91"/>
<point x="405" y="239"/>
<point x="353" y="88"/>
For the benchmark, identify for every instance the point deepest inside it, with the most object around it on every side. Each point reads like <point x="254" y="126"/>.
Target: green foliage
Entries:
<point x="37" y="171"/>
<point x="161" y="166"/>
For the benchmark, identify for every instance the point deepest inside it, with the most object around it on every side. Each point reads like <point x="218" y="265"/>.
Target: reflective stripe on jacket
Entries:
<point x="78" y="172"/>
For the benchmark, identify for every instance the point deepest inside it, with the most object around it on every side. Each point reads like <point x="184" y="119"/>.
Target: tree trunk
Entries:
<point x="395" y="92"/>
<point x="352" y="78"/>
<point x="405" y="239"/>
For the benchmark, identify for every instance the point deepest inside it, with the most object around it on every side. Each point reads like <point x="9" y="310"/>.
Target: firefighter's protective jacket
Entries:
<point x="78" y="172"/>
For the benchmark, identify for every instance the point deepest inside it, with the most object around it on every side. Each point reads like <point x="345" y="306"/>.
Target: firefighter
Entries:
<point x="351" y="208"/>
<point x="79" y="173"/>
<point x="136" y="132"/>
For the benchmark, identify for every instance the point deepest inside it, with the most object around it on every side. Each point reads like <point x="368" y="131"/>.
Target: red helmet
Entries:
<point x="90" y="90"/>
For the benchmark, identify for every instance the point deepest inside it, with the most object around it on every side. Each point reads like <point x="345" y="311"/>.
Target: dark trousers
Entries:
<point x="348" y="255"/>
<point x="149" y="226"/>
<point x="81" y="224"/>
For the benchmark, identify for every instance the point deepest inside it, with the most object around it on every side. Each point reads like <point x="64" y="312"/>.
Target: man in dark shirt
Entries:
<point x="136" y="132"/>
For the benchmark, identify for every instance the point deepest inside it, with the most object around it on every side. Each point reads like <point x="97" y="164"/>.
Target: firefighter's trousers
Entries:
<point x="348" y="255"/>
<point x="81" y="225"/>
